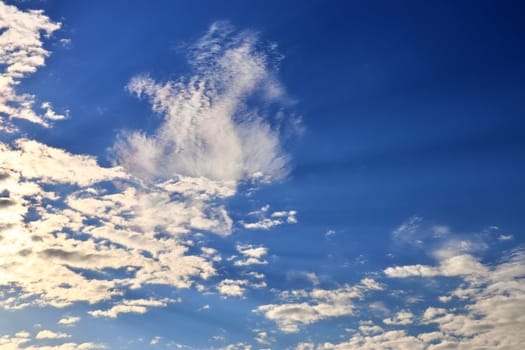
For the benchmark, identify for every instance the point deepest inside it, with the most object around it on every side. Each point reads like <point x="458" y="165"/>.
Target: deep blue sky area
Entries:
<point x="411" y="151"/>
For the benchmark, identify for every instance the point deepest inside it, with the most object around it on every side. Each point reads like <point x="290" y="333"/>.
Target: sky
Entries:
<point x="262" y="175"/>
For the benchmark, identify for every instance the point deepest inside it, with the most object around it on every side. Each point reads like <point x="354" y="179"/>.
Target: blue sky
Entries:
<point x="261" y="175"/>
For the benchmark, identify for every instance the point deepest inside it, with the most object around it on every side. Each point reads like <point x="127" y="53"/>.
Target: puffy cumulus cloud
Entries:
<point x="20" y="340"/>
<point x="22" y="53"/>
<point x="137" y="306"/>
<point x="33" y="160"/>
<point x="488" y="308"/>
<point x="47" y="334"/>
<point x="402" y="318"/>
<point x="237" y="288"/>
<point x="461" y="265"/>
<point x="208" y="129"/>
<point x="304" y="307"/>
<point x="397" y="339"/>
<point x="69" y="320"/>
<point x="63" y="214"/>
<point x="252" y="255"/>
<point x="234" y="288"/>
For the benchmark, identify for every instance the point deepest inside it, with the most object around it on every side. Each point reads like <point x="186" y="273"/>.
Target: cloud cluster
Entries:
<point x="267" y="219"/>
<point x="21" y="341"/>
<point x="484" y="311"/>
<point x="304" y="307"/>
<point x="63" y="214"/>
<point x="136" y="306"/>
<point x="22" y="53"/>
<point x="74" y="231"/>
<point x="208" y="128"/>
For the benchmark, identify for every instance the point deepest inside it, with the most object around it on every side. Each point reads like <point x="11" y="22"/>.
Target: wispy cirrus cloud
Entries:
<point x="208" y="128"/>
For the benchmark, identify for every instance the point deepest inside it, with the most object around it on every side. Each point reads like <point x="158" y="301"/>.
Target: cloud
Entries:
<point x="461" y="265"/>
<point x="488" y="303"/>
<point x="408" y="229"/>
<point x="307" y="307"/>
<point x="69" y="320"/>
<point x="207" y="129"/>
<point x="47" y="334"/>
<point x="252" y="255"/>
<point x="20" y="339"/>
<point x="234" y="288"/>
<point x="402" y="318"/>
<point x="22" y="53"/>
<point x="397" y="339"/>
<point x="237" y="288"/>
<point x="65" y="217"/>
<point x="136" y="306"/>
<point x="268" y="221"/>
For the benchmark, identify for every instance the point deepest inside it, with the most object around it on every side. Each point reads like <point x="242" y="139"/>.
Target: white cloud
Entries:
<point x="330" y="233"/>
<point x="397" y="339"/>
<point x="47" y="334"/>
<point x="489" y="303"/>
<point x="232" y="288"/>
<point x="136" y="306"/>
<point x="251" y="251"/>
<point x="461" y="265"/>
<point x="20" y="339"/>
<point x="22" y="53"/>
<point x="155" y="340"/>
<point x="207" y="128"/>
<point x="69" y="320"/>
<point x="312" y="306"/>
<point x="252" y="255"/>
<point x="268" y="221"/>
<point x="402" y="318"/>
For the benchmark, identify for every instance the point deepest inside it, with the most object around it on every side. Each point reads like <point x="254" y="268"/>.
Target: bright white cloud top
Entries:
<point x="171" y="231"/>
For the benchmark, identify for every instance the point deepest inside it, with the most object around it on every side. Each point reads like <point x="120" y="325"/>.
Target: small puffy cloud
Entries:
<point x="69" y="320"/>
<point x="505" y="237"/>
<point x="137" y="306"/>
<point x="307" y="307"/>
<point x="251" y="251"/>
<point x="155" y="340"/>
<point x="330" y="233"/>
<point x="461" y="265"/>
<point x="252" y="255"/>
<point x="47" y="334"/>
<point x="268" y="220"/>
<point x="402" y="318"/>
<point x="232" y="288"/>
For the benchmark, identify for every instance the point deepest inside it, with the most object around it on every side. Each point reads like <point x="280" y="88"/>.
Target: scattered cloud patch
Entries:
<point x="22" y="52"/>
<point x="137" y="306"/>
<point x="69" y="320"/>
<point x="268" y="220"/>
<point x="47" y="334"/>
<point x="304" y="307"/>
